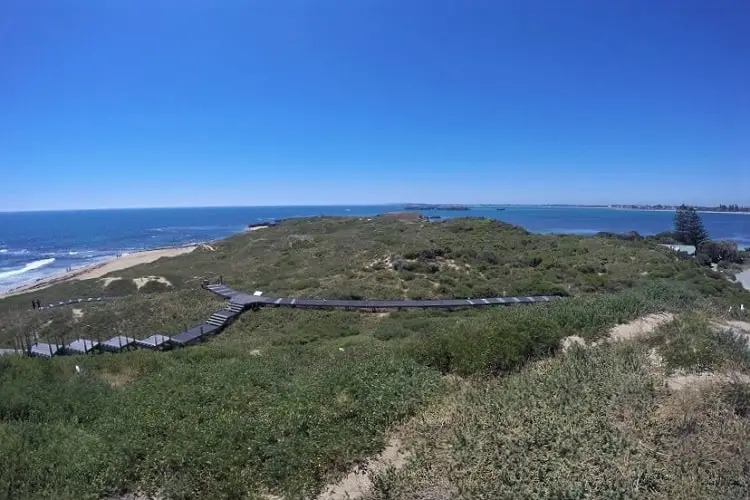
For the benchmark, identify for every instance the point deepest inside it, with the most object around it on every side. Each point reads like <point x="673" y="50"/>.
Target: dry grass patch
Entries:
<point x="595" y="423"/>
<point x="120" y="378"/>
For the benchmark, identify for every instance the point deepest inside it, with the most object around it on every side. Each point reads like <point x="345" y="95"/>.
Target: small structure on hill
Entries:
<point x="686" y="249"/>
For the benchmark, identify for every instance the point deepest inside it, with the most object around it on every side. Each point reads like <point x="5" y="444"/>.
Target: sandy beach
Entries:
<point x="744" y="278"/>
<point x="101" y="268"/>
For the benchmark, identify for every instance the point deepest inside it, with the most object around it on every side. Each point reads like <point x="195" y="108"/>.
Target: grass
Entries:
<point x="183" y="426"/>
<point x="135" y="315"/>
<point x="285" y="401"/>
<point x="593" y="424"/>
<point x="382" y="258"/>
<point x="692" y="343"/>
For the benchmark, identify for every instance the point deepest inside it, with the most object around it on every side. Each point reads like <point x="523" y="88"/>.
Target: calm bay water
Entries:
<point x="35" y="245"/>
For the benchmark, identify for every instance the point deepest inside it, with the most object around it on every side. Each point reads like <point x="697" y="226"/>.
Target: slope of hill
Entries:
<point x="287" y="401"/>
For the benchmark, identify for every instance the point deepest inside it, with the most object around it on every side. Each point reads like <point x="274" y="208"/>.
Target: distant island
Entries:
<point x="424" y="206"/>
<point x="718" y="208"/>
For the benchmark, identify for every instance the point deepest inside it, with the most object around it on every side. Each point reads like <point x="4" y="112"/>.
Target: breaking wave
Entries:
<point x="28" y="267"/>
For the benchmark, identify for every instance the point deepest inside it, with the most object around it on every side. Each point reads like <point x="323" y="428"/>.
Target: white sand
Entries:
<point x="100" y="269"/>
<point x="358" y="483"/>
<point x="744" y="278"/>
<point x="141" y="282"/>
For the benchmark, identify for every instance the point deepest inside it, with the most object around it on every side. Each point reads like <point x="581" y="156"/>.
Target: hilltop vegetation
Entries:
<point x="286" y="401"/>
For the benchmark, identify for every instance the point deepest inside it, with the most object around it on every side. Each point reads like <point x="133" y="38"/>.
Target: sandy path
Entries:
<point x="101" y="268"/>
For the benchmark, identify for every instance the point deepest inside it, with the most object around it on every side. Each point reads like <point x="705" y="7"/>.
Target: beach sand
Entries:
<point x="744" y="278"/>
<point x="101" y="268"/>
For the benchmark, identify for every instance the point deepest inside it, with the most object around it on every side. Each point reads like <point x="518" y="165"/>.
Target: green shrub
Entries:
<point x="120" y="287"/>
<point x="154" y="287"/>
<point x="693" y="344"/>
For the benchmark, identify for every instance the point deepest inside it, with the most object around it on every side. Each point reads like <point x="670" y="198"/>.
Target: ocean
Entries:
<point x="36" y="245"/>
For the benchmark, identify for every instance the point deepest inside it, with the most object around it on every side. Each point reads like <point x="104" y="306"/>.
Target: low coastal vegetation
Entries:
<point x="485" y="402"/>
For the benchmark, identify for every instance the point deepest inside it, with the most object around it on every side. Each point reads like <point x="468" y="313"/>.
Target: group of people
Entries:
<point x="36" y="303"/>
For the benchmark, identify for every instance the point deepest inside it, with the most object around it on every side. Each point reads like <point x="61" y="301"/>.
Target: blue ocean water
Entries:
<point x="36" y="245"/>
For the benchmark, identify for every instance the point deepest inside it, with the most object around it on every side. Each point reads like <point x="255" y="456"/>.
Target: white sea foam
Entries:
<point x="7" y="251"/>
<point x="28" y="267"/>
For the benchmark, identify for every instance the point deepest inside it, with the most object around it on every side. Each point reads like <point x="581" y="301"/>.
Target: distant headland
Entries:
<point x="425" y="206"/>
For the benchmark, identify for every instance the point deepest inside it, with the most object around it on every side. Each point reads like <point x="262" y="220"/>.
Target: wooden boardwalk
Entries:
<point x="246" y="300"/>
<point x="240" y="302"/>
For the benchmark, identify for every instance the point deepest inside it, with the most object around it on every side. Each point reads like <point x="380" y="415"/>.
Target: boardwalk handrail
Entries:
<point x="247" y="300"/>
<point x="240" y="302"/>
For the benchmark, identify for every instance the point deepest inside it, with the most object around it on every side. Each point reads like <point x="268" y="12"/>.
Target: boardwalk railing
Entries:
<point x="240" y="302"/>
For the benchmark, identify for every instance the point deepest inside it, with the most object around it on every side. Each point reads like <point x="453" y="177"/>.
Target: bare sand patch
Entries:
<point x="108" y="281"/>
<point x="567" y="343"/>
<point x="77" y="314"/>
<point x="141" y="282"/>
<point x="638" y="328"/>
<point x="256" y="228"/>
<point x="358" y="482"/>
<point x="744" y="278"/>
<point x="680" y="381"/>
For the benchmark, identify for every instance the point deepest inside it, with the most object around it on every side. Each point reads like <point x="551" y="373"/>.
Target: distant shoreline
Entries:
<point x="623" y="209"/>
<point x="591" y="207"/>
<point x="674" y="210"/>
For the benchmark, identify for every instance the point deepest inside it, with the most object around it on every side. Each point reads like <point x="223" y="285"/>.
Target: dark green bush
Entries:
<point x="719" y="251"/>
<point x="154" y="287"/>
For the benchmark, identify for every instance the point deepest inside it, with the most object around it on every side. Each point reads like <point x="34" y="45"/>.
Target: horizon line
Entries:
<point x="337" y="205"/>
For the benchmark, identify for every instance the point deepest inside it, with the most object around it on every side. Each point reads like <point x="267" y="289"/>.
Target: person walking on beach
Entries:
<point x="33" y="304"/>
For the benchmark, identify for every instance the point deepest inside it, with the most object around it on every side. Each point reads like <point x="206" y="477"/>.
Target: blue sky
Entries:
<point x="167" y="103"/>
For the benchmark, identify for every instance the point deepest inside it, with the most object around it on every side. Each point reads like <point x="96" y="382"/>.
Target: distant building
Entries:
<point x="688" y="249"/>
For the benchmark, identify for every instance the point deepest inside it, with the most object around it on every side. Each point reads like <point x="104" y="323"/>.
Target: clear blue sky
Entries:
<point x="175" y="103"/>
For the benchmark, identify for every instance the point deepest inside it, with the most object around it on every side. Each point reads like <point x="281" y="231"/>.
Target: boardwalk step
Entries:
<point x="81" y="346"/>
<point x="235" y="308"/>
<point x="154" y="342"/>
<point x="44" y="350"/>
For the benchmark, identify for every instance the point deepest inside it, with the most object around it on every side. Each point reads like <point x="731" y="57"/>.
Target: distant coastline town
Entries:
<point x="699" y="208"/>
<point x="717" y="208"/>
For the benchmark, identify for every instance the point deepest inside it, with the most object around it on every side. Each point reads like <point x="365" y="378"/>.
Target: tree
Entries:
<point x="688" y="226"/>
